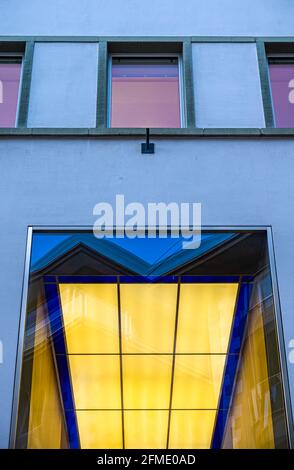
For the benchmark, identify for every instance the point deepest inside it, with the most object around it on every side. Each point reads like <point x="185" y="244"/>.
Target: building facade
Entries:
<point x="79" y="84"/>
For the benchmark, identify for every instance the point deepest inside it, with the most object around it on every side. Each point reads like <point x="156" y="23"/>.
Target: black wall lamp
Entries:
<point x="147" y="147"/>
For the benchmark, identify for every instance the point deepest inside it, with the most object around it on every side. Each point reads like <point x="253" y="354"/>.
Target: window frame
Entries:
<point x="278" y="58"/>
<point x="178" y="56"/>
<point x="20" y="57"/>
<point x="85" y="228"/>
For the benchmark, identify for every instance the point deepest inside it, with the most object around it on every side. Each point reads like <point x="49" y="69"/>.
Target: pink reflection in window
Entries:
<point x="9" y="86"/>
<point x="282" y="82"/>
<point x="145" y="93"/>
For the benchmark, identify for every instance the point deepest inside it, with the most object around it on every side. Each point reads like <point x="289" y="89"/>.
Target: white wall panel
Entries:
<point x="64" y="85"/>
<point x="227" y="87"/>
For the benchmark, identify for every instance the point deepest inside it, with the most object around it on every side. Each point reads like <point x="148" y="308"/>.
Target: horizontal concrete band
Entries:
<point x="126" y="132"/>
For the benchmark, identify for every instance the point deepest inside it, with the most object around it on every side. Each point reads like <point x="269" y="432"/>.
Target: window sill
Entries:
<point x="136" y="132"/>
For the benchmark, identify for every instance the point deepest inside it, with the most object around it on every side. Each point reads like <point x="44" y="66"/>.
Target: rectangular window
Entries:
<point x="145" y="92"/>
<point x="117" y="357"/>
<point x="282" y="86"/>
<point x="10" y="72"/>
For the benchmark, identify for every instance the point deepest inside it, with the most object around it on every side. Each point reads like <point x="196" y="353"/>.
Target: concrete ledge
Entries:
<point x="232" y="131"/>
<point x="90" y="38"/>
<point x="278" y="131"/>
<point x="138" y="132"/>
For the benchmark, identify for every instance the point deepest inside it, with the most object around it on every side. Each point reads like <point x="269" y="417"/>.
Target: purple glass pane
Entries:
<point x="145" y="95"/>
<point x="282" y="81"/>
<point x="9" y="86"/>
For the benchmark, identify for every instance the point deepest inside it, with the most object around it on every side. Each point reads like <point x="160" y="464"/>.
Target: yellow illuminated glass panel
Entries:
<point x="148" y="317"/>
<point x="100" y="429"/>
<point x="250" y="423"/>
<point x="197" y="381"/>
<point x="205" y="317"/>
<point x="96" y="381"/>
<point x="191" y="429"/>
<point x="45" y="417"/>
<point x="145" y="429"/>
<point x="90" y="316"/>
<point x="147" y="381"/>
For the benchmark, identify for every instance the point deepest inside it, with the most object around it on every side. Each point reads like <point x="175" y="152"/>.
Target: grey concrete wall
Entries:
<point x="155" y="17"/>
<point x="227" y="85"/>
<point x="58" y="182"/>
<point x="64" y="85"/>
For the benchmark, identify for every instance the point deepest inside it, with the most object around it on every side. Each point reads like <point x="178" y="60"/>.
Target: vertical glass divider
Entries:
<point x="120" y="360"/>
<point x="174" y="360"/>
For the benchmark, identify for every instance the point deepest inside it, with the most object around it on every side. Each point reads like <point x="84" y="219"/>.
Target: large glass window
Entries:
<point x="282" y="84"/>
<point x="143" y="344"/>
<point x="145" y="92"/>
<point x="10" y="70"/>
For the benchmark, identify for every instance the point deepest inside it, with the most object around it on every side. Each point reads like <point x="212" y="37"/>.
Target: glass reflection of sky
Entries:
<point x="150" y="250"/>
<point x="43" y="243"/>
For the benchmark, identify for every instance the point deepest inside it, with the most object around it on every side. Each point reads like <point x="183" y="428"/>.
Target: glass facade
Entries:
<point x="145" y="92"/>
<point x="143" y="344"/>
<point x="10" y="71"/>
<point x="282" y="83"/>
